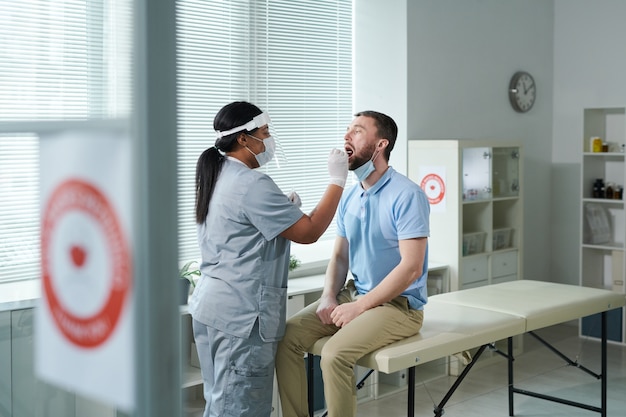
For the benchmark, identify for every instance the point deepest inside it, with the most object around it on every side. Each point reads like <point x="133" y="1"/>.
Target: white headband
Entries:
<point x="258" y="121"/>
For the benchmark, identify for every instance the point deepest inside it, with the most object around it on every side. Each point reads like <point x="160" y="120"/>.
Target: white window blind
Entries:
<point x="63" y="62"/>
<point x="290" y="58"/>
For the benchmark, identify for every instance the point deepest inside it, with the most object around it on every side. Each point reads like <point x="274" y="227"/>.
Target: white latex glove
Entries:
<point x="295" y="199"/>
<point x="338" y="167"/>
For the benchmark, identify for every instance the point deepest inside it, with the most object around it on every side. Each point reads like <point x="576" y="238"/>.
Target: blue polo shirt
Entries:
<point x="374" y="221"/>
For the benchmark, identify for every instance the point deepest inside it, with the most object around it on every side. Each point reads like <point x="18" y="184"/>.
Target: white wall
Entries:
<point x="441" y="68"/>
<point x="589" y="71"/>
<point x="380" y="84"/>
<point x="461" y="56"/>
<point x="380" y="65"/>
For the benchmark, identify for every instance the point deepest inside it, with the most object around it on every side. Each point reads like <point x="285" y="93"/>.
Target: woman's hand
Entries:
<point x="325" y="309"/>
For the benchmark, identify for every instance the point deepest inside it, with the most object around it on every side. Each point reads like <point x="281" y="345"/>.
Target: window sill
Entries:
<point x="18" y="295"/>
<point x="309" y="269"/>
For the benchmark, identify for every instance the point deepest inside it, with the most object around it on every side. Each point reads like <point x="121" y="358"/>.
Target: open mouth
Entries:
<point x="349" y="151"/>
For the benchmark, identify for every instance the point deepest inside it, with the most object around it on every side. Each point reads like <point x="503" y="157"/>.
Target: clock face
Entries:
<point x="522" y="91"/>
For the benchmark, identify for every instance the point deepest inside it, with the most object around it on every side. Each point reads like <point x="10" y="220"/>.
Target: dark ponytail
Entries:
<point x="207" y="170"/>
<point x="210" y="162"/>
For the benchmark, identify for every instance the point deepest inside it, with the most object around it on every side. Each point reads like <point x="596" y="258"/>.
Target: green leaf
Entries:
<point x="188" y="271"/>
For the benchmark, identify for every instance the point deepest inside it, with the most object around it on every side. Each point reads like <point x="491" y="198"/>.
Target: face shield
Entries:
<point x="259" y="121"/>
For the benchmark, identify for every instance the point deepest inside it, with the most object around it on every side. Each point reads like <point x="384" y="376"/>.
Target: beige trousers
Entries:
<point x="371" y="330"/>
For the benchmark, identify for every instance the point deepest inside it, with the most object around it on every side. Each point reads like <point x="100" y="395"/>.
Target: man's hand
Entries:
<point x="325" y="309"/>
<point x="345" y="313"/>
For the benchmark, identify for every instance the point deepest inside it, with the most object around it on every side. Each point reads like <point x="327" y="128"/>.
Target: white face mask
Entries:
<point x="366" y="169"/>
<point x="268" y="154"/>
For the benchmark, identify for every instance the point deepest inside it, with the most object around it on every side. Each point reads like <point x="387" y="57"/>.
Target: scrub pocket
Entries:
<point x="248" y="394"/>
<point x="250" y="377"/>
<point x="272" y="313"/>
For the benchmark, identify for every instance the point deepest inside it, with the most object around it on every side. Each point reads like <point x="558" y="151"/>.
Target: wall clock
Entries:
<point x="522" y="91"/>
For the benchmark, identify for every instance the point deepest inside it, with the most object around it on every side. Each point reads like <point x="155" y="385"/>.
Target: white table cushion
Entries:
<point x="462" y="320"/>
<point x="447" y="329"/>
<point x="541" y="303"/>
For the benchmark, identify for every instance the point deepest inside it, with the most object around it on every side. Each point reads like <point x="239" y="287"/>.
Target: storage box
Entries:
<point x="473" y="243"/>
<point x="597" y="229"/>
<point x="501" y="238"/>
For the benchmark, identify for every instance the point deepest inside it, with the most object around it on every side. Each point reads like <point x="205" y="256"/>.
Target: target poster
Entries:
<point x="433" y="181"/>
<point x="84" y="320"/>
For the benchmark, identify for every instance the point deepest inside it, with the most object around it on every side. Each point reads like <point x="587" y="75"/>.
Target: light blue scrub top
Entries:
<point x="374" y="220"/>
<point x="244" y="260"/>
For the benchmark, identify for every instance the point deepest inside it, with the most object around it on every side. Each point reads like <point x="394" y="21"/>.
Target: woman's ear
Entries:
<point x="242" y="140"/>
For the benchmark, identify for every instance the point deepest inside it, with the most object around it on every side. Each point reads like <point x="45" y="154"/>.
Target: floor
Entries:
<point x="484" y="391"/>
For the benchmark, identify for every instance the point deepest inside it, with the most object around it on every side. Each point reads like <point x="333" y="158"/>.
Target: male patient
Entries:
<point x="382" y="235"/>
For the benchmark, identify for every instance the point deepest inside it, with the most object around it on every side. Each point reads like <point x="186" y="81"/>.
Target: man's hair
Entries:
<point x="386" y="128"/>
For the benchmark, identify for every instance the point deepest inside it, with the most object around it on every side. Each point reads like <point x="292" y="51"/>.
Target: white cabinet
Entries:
<point x="30" y="396"/>
<point x="474" y="271"/>
<point x="192" y="394"/>
<point x="475" y="191"/>
<point x="603" y="231"/>
<point x="5" y="363"/>
<point x="22" y="393"/>
<point x="503" y="267"/>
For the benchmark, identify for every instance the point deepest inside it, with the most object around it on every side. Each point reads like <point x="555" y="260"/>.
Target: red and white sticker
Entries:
<point x="434" y="187"/>
<point x="86" y="263"/>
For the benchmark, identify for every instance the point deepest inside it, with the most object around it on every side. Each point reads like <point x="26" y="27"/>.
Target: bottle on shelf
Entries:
<point x="609" y="190"/>
<point x="596" y="144"/>
<point x="598" y="188"/>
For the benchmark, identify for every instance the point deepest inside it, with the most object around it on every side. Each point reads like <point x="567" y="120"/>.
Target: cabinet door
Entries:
<point x="295" y="303"/>
<point x="5" y="363"/>
<point x="504" y="264"/>
<point x="32" y="397"/>
<point x="474" y="271"/>
<point x="505" y="172"/>
<point x="476" y="173"/>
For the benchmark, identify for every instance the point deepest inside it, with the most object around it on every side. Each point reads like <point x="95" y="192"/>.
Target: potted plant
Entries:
<point x="293" y="263"/>
<point x="186" y="275"/>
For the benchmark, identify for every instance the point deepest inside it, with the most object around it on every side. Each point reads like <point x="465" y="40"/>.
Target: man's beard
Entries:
<point x="357" y="161"/>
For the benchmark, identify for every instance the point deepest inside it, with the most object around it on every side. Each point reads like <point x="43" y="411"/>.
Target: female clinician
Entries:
<point x="245" y="226"/>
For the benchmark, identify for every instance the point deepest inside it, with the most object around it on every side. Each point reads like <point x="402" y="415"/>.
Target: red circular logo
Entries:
<point x="433" y="186"/>
<point x="86" y="263"/>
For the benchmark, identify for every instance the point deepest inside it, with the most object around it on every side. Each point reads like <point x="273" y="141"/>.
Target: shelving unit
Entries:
<point x="603" y="230"/>
<point x="475" y="190"/>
